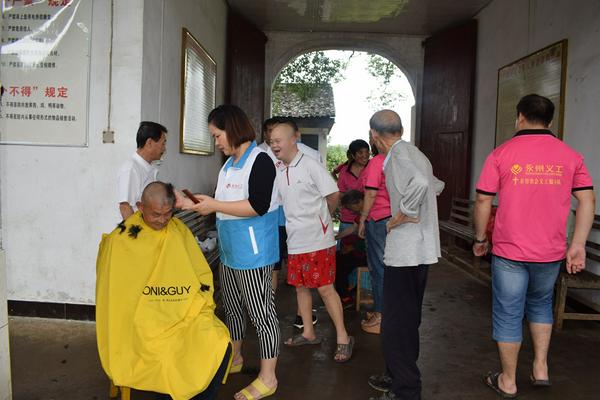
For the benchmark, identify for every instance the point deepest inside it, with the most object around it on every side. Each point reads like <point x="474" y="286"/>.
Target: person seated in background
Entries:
<point x="155" y="323"/>
<point x="352" y="253"/>
<point x="352" y="177"/>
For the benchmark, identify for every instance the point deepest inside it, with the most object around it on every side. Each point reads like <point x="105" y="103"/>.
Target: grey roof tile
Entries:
<point x="288" y="101"/>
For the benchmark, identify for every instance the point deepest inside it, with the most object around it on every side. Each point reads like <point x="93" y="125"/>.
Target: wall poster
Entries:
<point x="44" y="72"/>
<point x="542" y="72"/>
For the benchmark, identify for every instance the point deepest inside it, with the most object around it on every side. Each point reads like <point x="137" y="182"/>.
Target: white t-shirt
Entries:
<point x="309" y="151"/>
<point x="133" y="177"/>
<point x="303" y="186"/>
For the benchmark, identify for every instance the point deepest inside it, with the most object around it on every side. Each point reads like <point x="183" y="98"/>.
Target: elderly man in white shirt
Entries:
<point x="137" y="172"/>
<point x="412" y="244"/>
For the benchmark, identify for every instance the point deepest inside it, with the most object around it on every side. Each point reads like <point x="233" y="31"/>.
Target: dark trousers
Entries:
<point x="211" y="391"/>
<point x="403" y="290"/>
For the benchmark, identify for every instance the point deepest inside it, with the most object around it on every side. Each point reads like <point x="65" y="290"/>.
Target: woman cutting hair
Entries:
<point x="247" y="224"/>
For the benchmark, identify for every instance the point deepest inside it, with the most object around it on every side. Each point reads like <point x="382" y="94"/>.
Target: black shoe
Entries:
<point x="299" y="324"/>
<point x="385" y="396"/>
<point x="382" y="382"/>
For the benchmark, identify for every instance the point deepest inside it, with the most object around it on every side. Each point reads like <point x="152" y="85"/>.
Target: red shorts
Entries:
<point x="312" y="270"/>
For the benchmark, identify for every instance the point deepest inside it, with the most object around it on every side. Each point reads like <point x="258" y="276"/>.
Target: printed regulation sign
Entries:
<point x="44" y="71"/>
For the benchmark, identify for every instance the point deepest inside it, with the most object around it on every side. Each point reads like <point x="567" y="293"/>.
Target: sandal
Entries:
<point x="491" y="380"/>
<point x="539" y="382"/>
<point x="299" y="340"/>
<point x="344" y="351"/>
<point x="236" y="368"/>
<point x="262" y="389"/>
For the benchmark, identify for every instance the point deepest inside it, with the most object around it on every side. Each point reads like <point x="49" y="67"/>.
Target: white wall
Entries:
<point x="163" y="23"/>
<point x="511" y="29"/>
<point x="57" y="201"/>
<point x="5" y="381"/>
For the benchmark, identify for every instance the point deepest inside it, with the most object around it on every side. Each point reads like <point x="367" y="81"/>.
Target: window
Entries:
<point x="198" y="91"/>
<point x="310" y="140"/>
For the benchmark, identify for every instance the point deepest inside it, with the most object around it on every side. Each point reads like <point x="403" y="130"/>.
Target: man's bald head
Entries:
<point x="386" y="122"/>
<point x="159" y="192"/>
<point x="156" y="205"/>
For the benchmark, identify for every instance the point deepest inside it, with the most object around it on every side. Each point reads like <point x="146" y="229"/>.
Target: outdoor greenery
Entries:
<point x="336" y="155"/>
<point x="307" y="72"/>
<point x="383" y="70"/>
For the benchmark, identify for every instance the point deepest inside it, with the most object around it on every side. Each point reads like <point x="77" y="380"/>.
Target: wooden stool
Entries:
<point x="582" y="280"/>
<point x="114" y="392"/>
<point x="359" y="297"/>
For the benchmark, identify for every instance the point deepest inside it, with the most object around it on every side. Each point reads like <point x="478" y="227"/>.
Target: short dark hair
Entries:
<point x="356" y="145"/>
<point x="149" y="130"/>
<point x="270" y="121"/>
<point x="351" y="197"/>
<point x="266" y="124"/>
<point x="234" y="121"/>
<point x="536" y="109"/>
<point x="286" y="121"/>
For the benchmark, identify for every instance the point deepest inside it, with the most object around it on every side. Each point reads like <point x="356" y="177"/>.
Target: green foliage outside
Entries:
<point x="383" y="70"/>
<point x="336" y="155"/>
<point x="306" y="73"/>
<point x="313" y="69"/>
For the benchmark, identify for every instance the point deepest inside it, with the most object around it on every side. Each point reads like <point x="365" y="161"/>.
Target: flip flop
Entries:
<point x="236" y="368"/>
<point x="491" y="380"/>
<point x="344" y="350"/>
<point x="539" y="382"/>
<point x="299" y="340"/>
<point x="262" y="389"/>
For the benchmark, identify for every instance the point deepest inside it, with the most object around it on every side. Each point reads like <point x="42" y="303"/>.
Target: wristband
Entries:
<point x="484" y="240"/>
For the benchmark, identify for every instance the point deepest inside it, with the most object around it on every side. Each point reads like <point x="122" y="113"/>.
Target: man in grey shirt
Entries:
<point x="412" y="243"/>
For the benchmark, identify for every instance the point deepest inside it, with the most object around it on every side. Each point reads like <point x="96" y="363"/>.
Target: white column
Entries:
<point x="5" y="384"/>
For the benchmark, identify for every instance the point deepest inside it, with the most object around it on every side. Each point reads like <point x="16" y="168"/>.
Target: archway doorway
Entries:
<point x="345" y="87"/>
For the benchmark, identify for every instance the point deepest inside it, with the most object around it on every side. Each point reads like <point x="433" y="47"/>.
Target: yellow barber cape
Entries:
<point x="155" y="322"/>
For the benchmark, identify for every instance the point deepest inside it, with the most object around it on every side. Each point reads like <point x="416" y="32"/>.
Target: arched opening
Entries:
<point x="354" y="84"/>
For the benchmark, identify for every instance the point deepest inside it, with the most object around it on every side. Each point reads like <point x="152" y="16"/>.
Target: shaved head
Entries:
<point x="160" y="193"/>
<point x="156" y="205"/>
<point x="283" y="141"/>
<point x="386" y="122"/>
